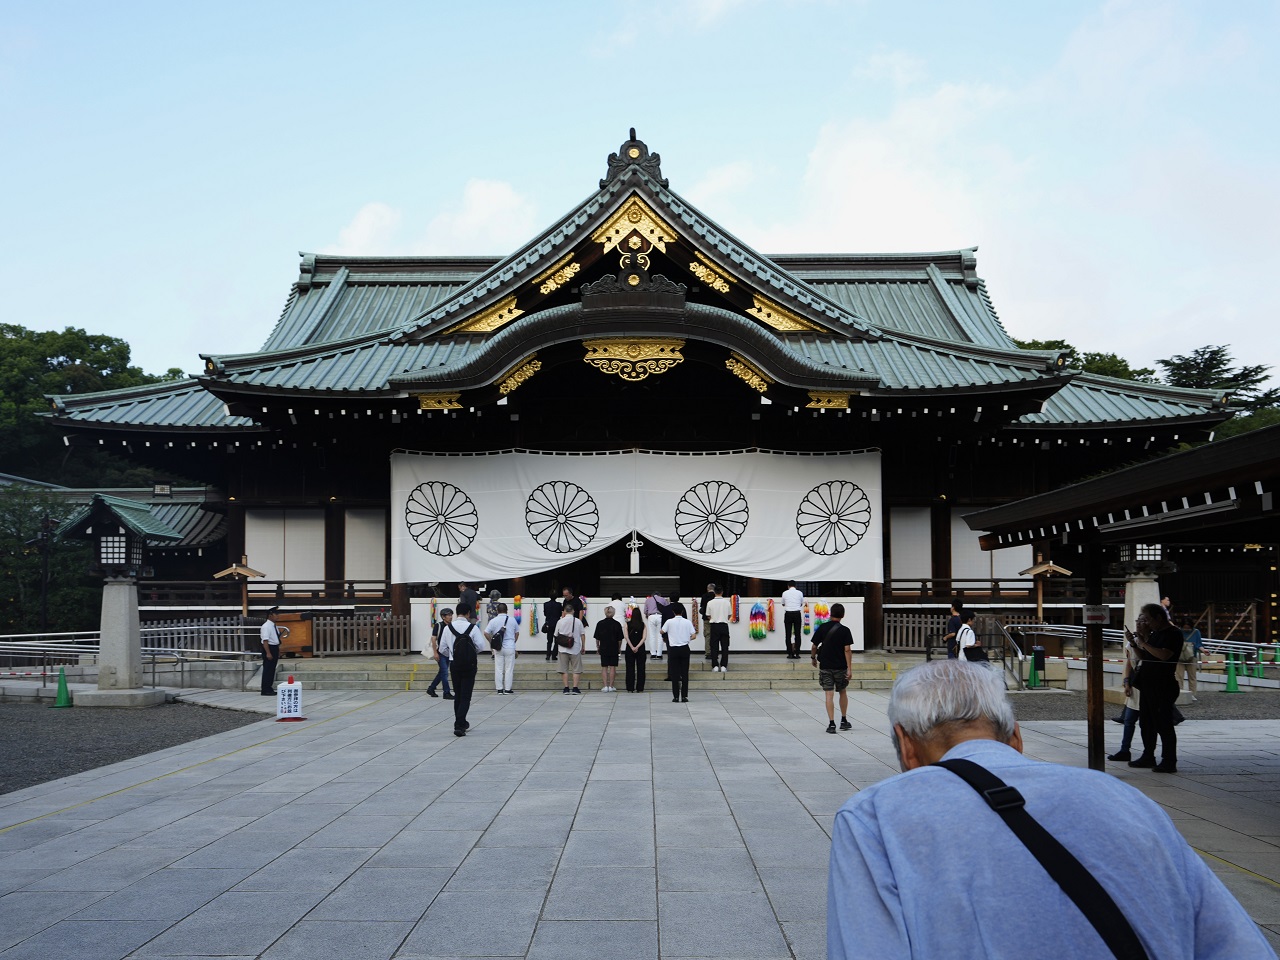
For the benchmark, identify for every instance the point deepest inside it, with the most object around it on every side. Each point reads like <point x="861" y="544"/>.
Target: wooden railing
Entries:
<point x="1056" y="589"/>
<point x="226" y="593"/>
<point x="913" y="631"/>
<point x="350" y="636"/>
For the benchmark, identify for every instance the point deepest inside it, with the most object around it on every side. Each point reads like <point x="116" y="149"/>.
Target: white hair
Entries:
<point x="928" y="698"/>
<point x="608" y="612"/>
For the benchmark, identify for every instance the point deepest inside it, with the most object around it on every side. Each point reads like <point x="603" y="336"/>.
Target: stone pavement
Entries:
<point x="607" y="825"/>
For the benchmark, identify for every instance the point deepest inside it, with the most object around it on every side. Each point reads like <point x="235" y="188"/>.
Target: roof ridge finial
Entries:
<point x="634" y="153"/>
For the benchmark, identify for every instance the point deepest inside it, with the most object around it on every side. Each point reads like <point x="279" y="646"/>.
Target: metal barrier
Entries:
<point x="350" y="636"/>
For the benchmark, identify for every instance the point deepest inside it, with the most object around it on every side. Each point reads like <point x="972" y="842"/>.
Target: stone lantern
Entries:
<point x="120" y="530"/>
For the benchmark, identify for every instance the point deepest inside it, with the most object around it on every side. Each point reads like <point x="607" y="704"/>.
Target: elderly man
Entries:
<point x="923" y="865"/>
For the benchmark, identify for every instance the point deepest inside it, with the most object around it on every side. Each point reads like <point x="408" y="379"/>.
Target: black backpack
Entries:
<point x="464" y="650"/>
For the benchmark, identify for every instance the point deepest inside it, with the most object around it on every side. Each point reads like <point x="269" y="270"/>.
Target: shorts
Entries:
<point x="570" y="662"/>
<point x="833" y="679"/>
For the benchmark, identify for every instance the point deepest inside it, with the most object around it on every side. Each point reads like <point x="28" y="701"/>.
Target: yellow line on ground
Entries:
<point x="1214" y="856"/>
<point x="134" y="786"/>
<point x="409" y="683"/>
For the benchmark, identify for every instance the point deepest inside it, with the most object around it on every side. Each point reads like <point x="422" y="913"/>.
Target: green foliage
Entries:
<point x="73" y="598"/>
<point x="1210" y="368"/>
<point x="34" y="364"/>
<point x="1246" y="422"/>
<point x="1103" y="364"/>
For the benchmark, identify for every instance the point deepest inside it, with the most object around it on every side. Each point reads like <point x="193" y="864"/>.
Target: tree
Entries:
<point x="69" y="596"/>
<point x="34" y="364"/>
<point x="1102" y="364"/>
<point x="1209" y="368"/>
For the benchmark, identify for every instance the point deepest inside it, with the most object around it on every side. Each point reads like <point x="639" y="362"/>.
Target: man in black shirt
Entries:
<point x="468" y="597"/>
<point x="1159" y="644"/>
<point x="833" y="656"/>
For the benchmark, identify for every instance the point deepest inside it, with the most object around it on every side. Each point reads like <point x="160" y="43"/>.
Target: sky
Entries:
<point x="162" y="164"/>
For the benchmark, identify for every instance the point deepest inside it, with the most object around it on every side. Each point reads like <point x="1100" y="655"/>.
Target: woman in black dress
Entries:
<point x="608" y="637"/>
<point x="636" y="653"/>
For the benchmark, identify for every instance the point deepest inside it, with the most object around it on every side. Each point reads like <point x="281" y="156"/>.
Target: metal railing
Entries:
<point x="85" y="650"/>
<point x="226" y="593"/>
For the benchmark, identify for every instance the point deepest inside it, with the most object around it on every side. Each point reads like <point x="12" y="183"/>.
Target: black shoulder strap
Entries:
<point x="1068" y="872"/>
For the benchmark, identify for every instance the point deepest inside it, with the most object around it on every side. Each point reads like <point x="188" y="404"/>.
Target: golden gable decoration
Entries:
<point x="438" y="401"/>
<point x="490" y="319"/>
<point x="779" y="318"/>
<point x="634" y="216"/>
<point x="754" y="377"/>
<point x="520" y="374"/>
<point x="828" y="401"/>
<point x="633" y="360"/>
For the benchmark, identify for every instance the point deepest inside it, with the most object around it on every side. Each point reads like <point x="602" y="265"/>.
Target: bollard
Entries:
<point x="1232" y="685"/>
<point x="64" y="695"/>
<point x="1037" y="664"/>
<point x="289" y="702"/>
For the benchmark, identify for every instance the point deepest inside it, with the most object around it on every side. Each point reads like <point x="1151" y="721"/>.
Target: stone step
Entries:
<point x="654" y="687"/>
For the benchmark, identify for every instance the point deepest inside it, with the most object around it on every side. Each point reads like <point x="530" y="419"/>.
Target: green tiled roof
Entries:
<point x="184" y="405"/>
<point x="136" y="516"/>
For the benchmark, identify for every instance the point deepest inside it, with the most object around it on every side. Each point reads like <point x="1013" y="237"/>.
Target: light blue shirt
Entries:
<point x="506" y="627"/>
<point x="922" y="867"/>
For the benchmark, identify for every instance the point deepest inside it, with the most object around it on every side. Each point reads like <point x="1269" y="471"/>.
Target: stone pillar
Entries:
<point x="1139" y="590"/>
<point x="119" y="652"/>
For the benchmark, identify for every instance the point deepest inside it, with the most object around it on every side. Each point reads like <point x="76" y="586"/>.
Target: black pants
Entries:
<point x="790" y="625"/>
<point x="552" y="650"/>
<point x="678" y="669"/>
<point x="635" y="669"/>
<point x="464" y="681"/>
<point x="719" y="644"/>
<point x="1155" y="712"/>
<point x="269" y="669"/>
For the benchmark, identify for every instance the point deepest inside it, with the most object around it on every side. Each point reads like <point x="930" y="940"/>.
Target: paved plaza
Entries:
<point x="601" y="826"/>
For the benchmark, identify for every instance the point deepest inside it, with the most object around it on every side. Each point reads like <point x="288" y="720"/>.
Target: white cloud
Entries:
<point x="493" y="218"/>
<point x="896" y="66"/>
<point x="720" y="184"/>
<point x="372" y="231"/>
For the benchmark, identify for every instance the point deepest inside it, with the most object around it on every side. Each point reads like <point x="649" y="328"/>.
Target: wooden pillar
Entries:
<point x="873" y="617"/>
<point x="399" y="599"/>
<point x="335" y="549"/>
<point x="940" y="529"/>
<point x="1096" y="709"/>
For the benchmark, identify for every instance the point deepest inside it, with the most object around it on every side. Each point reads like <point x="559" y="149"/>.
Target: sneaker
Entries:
<point x="1143" y="761"/>
<point x="845" y="724"/>
<point x="1195" y="699"/>
<point x="431" y="693"/>
<point x="724" y="669"/>
<point x="831" y="727"/>
<point x="508" y="692"/>
<point x="1163" y="767"/>
<point x="675" y="699"/>
<point x="577" y="692"/>
<point x="566" y="691"/>
<point x="1120" y="756"/>
<point x="447" y="696"/>
<point x="457" y="732"/>
<point x="684" y="699"/>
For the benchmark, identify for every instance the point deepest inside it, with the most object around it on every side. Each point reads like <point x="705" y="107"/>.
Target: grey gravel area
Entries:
<point x="1212" y="705"/>
<point x="38" y="743"/>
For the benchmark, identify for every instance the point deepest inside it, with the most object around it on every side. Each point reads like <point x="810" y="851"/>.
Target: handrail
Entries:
<point x="1008" y="642"/>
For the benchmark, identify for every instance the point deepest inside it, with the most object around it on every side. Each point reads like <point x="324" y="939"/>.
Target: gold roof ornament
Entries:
<point x="780" y="318"/>
<point x="438" y="401"/>
<point x="828" y="401"/>
<point x="752" y="375"/>
<point x="519" y="374"/>
<point x="633" y="360"/>
<point x="634" y="216"/>
<point x="490" y="319"/>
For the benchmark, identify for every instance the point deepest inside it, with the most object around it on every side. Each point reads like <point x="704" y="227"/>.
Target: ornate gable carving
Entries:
<point x="634" y="153"/>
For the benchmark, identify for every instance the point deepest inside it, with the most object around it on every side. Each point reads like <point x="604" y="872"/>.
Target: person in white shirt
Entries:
<point x="678" y="631"/>
<point x="792" y="605"/>
<point x="570" y="627"/>
<point x="503" y="625"/>
<point x="270" y="637"/>
<point x="717" y="614"/>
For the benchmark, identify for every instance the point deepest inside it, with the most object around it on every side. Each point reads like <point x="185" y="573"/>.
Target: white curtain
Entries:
<point x="776" y="516"/>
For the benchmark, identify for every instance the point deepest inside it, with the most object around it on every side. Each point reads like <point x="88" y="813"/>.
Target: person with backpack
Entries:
<point x="833" y="656"/>
<point x="501" y="632"/>
<point x="463" y="648"/>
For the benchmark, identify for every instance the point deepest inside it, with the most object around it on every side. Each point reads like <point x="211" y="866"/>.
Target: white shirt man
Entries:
<point x="679" y="631"/>
<point x="792" y="604"/>
<point x="718" y="610"/>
